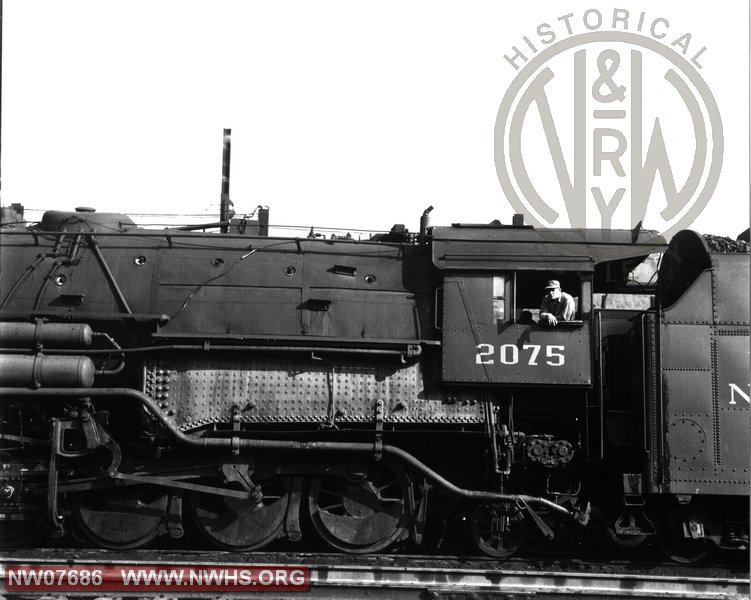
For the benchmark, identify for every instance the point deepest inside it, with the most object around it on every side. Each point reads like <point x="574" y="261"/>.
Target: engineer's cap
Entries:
<point x="553" y="284"/>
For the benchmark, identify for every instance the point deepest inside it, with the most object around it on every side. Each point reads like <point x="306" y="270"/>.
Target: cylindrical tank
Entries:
<point x="46" y="371"/>
<point x="48" y="335"/>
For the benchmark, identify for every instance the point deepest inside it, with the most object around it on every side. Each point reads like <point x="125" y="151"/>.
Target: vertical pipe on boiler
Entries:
<point x="225" y="203"/>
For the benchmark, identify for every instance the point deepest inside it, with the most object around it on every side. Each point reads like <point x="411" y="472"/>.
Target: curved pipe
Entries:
<point x="229" y="443"/>
<point x="119" y="368"/>
<point x="21" y="279"/>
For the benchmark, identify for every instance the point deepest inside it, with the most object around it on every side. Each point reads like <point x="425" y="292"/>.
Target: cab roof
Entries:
<point x="501" y="247"/>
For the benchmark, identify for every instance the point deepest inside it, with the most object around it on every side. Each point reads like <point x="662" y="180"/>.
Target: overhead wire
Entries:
<point x="225" y="273"/>
<point x="175" y="216"/>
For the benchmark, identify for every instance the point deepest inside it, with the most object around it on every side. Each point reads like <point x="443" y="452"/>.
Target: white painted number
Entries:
<point x="508" y="354"/>
<point x="507" y="349"/>
<point x="550" y="353"/>
<point x="535" y="351"/>
<point x="483" y="356"/>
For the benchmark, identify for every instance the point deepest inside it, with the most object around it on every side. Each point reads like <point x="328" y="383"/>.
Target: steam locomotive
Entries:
<point x="257" y="388"/>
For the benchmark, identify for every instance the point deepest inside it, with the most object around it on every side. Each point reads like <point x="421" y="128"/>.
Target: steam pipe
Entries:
<point x="224" y="203"/>
<point x="425" y="221"/>
<point x="281" y="445"/>
<point x="416" y="349"/>
<point x="223" y="224"/>
<point x="109" y="276"/>
<point x="24" y="275"/>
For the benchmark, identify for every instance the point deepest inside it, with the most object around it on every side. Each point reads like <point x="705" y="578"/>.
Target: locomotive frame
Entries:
<point x="264" y="388"/>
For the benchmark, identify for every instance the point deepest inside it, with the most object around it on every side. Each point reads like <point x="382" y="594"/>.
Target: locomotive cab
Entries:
<point x="542" y="381"/>
<point x="493" y="284"/>
<point x="496" y="335"/>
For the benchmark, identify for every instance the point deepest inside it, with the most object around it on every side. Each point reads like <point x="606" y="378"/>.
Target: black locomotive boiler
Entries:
<point x="254" y="388"/>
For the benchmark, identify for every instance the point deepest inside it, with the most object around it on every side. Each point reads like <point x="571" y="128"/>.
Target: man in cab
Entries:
<point x="557" y="305"/>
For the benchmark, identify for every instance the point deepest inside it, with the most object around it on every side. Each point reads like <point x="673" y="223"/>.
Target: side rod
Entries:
<point x="284" y="445"/>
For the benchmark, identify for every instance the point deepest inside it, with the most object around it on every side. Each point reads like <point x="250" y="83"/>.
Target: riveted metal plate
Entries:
<point x="695" y="305"/>
<point x="732" y="368"/>
<point x="687" y="391"/>
<point x="203" y="389"/>
<point x="731" y="298"/>
<point x="732" y="402"/>
<point x="706" y="409"/>
<point x="689" y="436"/>
<point x="478" y="348"/>
<point x="686" y="346"/>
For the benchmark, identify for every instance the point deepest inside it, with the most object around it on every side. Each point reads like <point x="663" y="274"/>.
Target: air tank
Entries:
<point x="46" y="371"/>
<point x="47" y="335"/>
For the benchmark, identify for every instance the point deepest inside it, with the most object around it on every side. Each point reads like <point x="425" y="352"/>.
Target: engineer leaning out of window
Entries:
<point x="557" y="305"/>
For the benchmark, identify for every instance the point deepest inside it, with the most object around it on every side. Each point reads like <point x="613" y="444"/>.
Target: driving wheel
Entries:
<point x="242" y="524"/>
<point x="121" y="519"/>
<point x="364" y="513"/>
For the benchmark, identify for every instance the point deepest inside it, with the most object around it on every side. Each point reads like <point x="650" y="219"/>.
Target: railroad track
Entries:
<point x="400" y="577"/>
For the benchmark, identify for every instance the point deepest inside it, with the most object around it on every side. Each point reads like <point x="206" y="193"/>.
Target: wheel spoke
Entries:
<point x="365" y="521"/>
<point x="235" y="524"/>
<point x="379" y="489"/>
<point x="387" y="499"/>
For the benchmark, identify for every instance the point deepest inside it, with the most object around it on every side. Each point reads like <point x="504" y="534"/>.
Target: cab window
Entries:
<point x="530" y="290"/>
<point x="499" y="298"/>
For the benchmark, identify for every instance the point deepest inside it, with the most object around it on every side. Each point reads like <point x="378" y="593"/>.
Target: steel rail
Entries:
<point x="331" y="580"/>
<point x="439" y="583"/>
